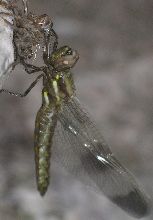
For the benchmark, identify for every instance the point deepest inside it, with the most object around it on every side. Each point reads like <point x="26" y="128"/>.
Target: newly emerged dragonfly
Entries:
<point x="79" y="147"/>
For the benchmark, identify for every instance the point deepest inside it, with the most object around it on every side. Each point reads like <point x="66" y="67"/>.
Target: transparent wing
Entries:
<point x="82" y="151"/>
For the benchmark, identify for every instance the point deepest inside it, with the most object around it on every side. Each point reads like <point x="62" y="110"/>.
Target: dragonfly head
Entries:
<point x="64" y="58"/>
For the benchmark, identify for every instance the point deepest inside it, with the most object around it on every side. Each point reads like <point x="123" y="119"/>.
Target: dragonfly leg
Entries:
<point x="26" y="92"/>
<point x="56" y="40"/>
<point x="47" y="36"/>
<point x="29" y="68"/>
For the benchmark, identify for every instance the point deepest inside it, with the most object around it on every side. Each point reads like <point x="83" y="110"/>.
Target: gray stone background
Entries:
<point x="114" y="80"/>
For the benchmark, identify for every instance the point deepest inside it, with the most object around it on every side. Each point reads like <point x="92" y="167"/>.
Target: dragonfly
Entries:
<point x="28" y="34"/>
<point x="66" y="134"/>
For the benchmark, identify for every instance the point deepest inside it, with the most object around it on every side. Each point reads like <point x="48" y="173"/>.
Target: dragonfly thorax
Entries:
<point x="58" y="89"/>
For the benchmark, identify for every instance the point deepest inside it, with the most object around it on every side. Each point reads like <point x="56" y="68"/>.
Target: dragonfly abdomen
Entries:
<point x="44" y="130"/>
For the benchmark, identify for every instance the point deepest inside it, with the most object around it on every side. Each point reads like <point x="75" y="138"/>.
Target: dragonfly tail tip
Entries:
<point x="42" y="190"/>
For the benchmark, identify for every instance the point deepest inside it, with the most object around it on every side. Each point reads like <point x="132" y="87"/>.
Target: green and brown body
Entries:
<point x="58" y="88"/>
<point x="46" y="120"/>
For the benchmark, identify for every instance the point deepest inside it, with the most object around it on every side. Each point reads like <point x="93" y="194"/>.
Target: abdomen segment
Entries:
<point x="44" y="129"/>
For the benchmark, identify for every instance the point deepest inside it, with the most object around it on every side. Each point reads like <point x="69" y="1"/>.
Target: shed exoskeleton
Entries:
<point x="29" y="31"/>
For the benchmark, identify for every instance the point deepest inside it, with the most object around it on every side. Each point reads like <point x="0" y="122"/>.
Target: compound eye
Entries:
<point x="69" y="52"/>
